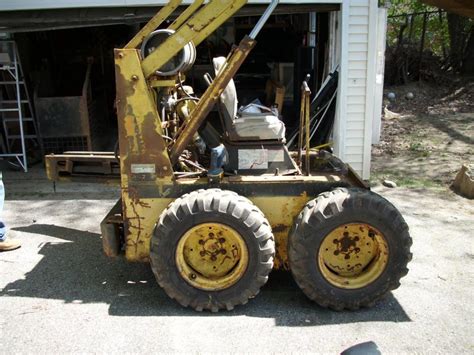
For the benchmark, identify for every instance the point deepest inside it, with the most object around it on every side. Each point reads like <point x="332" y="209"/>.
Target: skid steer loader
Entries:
<point x="214" y="212"/>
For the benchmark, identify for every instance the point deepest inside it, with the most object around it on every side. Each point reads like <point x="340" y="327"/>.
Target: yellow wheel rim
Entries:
<point x="212" y="256"/>
<point x="353" y="255"/>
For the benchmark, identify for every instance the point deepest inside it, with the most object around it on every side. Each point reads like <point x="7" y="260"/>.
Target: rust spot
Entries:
<point x="346" y="246"/>
<point x="347" y="243"/>
<point x="279" y="228"/>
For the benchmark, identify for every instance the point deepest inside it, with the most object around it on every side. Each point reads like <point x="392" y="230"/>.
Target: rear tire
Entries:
<point x="348" y="248"/>
<point x="212" y="249"/>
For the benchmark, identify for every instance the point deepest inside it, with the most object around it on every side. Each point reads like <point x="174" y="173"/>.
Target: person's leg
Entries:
<point x="3" y="234"/>
<point x="5" y="244"/>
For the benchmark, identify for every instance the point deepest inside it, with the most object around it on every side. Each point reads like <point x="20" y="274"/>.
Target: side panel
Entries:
<point x="144" y="159"/>
<point x="142" y="215"/>
<point x="281" y="212"/>
<point x="280" y="201"/>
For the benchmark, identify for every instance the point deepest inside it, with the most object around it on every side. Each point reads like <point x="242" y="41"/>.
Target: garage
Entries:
<point x="66" y="54"/>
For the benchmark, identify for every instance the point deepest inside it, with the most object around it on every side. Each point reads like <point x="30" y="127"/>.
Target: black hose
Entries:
<point x="116" y="151"/>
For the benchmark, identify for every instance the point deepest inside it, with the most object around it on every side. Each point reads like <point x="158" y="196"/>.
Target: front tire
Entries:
<point x="212" y="249"/>
<point x="348" y="248"/>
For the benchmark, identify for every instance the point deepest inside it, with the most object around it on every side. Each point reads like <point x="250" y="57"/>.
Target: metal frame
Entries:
<point x="15" y="72"/>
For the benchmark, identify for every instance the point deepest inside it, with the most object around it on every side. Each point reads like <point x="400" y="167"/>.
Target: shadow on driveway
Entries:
<point x="76" y="271"/>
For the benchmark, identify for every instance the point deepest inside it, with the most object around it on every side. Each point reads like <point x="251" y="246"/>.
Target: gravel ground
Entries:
<point x="59" y="293"/>
<point x="426" y="140"/>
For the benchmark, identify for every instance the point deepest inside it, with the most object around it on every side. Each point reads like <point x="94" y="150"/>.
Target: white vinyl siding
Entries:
<point x="354" y="147"/>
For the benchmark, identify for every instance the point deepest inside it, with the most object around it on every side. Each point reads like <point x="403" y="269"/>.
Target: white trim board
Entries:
<point x="9" y="5"/>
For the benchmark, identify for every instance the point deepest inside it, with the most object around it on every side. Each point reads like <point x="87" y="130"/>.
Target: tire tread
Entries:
<point x="324" y="208"/>
<point x="220" y="202"/>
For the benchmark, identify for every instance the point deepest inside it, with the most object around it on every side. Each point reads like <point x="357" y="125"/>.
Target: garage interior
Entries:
<point x="68" y="65"/>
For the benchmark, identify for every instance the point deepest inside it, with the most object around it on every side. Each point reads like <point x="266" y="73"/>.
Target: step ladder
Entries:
<point x="16" y="112"/>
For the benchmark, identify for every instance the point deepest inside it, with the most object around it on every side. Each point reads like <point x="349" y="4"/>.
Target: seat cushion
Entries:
<point x="228" y="97"/>
<point x="247" y="126"/>
<point x="259" y="127"/>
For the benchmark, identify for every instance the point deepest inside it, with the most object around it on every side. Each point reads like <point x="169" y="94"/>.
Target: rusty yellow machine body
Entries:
<point x="184" y="218"/>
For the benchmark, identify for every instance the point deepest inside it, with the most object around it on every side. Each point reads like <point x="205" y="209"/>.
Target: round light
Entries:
<point x="181" y="62"/>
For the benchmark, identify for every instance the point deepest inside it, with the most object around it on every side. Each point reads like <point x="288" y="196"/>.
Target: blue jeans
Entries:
<point x="3" y="229"/>
<point x="3" y="234"/>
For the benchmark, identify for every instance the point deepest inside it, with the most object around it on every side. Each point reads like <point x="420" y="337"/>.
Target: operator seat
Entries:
<point x="247" y="126"/>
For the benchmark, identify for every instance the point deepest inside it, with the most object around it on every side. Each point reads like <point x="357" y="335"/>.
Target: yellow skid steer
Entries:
<point x="215" y="211"/>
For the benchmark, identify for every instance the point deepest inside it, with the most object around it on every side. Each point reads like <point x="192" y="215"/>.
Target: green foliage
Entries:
<point x="403" y="7"/>
<point x="419" y="149"/>
<point x="409" y="15"/>
<point x="403" y="180"/>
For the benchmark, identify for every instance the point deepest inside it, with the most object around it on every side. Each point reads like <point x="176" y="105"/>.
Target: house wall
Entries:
<point x="353" y="129"/>
<point x="379" y="78"/>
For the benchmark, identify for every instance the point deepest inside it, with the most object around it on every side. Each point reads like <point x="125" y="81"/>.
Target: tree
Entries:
<point x="449" y="37"/>
<point x="461" y="30"/>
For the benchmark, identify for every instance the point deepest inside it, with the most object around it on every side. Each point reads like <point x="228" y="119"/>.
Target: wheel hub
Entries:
<point x="212" y="256"/>
<point x="353" y="255"/>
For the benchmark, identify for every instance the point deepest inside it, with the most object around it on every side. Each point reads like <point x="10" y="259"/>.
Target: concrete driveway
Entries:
<point x="59" y="293"/>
